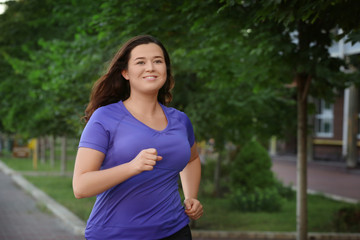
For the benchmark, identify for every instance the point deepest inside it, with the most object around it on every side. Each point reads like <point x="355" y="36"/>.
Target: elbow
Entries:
<point x="78" y="195"/>
<point x="78" y="192"/>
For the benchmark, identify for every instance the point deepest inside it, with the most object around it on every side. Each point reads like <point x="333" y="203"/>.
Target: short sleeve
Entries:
<point x="189" y="129"/>
<point x="94" y="135"/>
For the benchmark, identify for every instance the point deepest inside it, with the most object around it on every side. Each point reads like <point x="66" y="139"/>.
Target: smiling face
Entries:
<point x="146" y="71"/>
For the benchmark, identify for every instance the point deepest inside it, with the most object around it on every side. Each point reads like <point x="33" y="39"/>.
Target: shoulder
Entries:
<point x="107" y="114"/>
<point x="178" y="115"/>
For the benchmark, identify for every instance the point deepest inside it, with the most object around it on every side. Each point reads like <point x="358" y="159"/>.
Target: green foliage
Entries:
<point x="347" y="219"/>
<point x="207" y="177"/>
<point x="231" y="59"/>
<point x="261" y="199"/>
<point x="253" y="185"/>
<point x="251" y="168"/>
<point x="285" y="192"/>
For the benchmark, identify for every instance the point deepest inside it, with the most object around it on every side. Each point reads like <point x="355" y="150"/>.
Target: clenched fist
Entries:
<point x="145" y="160"/>
<point x="193" y="208"/>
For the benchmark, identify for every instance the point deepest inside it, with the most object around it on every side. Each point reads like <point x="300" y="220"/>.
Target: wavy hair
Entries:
<point x="113" y="87"/>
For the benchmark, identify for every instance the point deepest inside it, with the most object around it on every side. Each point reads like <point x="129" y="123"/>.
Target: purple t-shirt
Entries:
<point x="148" y="205"/>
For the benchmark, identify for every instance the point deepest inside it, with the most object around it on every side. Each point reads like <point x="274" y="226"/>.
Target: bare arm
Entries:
<point x="190" y="179"/>
<point x="89" y="180"/>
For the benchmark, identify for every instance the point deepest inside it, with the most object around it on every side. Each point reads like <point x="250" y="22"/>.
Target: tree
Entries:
<point x="44" y="74"/>
<point x="210" y="62"/>
<point x="305" y="30"/>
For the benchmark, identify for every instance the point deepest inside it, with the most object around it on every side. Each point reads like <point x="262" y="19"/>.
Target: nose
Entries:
<point x="149" y="66"/>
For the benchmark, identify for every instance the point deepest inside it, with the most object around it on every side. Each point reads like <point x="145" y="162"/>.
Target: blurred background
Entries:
<point x="260" y="81"/>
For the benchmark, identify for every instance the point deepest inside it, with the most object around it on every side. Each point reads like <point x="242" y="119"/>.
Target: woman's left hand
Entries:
<point x="193" y="208"/>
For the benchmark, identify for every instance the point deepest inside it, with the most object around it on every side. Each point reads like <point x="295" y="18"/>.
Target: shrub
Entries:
<point x="347" y="219"/>
<point x="254" y="187"/>
<point x="285" y="191"/>
<point x="267" y="199"/>
<point x="251" y="168"/>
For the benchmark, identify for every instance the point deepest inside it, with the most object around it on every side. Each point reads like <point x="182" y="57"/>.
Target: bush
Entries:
<point x="251" y="168"/>
<point x="285" y="191"/>
<point x="347" y="219"/>
<point x="267" y="199"/>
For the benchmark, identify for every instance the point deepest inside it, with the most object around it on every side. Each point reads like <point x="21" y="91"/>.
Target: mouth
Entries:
<point x="151" y="77"/>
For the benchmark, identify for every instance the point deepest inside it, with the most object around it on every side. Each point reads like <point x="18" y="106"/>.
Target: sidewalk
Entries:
<point x="22" y="219"/>
<point x="331" y="179"/>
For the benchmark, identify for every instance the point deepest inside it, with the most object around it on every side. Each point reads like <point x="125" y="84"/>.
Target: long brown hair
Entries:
<point x="113" y="87"/>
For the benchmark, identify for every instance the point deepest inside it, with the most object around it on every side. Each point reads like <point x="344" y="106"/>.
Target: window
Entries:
<point x="324" y="124"/>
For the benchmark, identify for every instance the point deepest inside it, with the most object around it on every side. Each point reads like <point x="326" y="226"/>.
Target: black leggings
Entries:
<point x="182" y="234"/>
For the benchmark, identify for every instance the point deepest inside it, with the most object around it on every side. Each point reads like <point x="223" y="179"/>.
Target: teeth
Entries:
<point x="150" y="77"/>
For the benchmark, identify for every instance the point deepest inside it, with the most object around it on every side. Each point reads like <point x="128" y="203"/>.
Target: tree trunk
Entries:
<point x="351" y="156"/>
<point x="303" y="83"/>
<point x="310" y="134"/>
<point x="42" y="149"/>
<point x="52" y="150"/>
<point x="35" y="154"/>
<point x="38" y="147"/>
<point x="217" y="175"/>
<point x="63" y="155"/>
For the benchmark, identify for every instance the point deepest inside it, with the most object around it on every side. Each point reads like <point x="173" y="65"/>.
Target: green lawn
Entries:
<point x="218" y="215"/>
<point x="26" y="164"/>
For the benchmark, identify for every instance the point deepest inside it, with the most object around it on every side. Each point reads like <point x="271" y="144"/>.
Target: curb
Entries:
<point x="334" y="197"/>
<point x="70" y="220"/>
<point x="78" y="226"/>
<point x="271" y="235"/>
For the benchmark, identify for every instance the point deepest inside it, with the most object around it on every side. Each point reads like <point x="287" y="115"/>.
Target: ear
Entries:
<point x="125" y="74"/>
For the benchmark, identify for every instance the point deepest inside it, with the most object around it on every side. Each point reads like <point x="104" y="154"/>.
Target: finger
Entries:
<point x="188" y="206"/>
<point x="195" y="209"/>
<point x="154" y="157"/>
<point x="150" y="162"/>
<point x="196" y="215"/>
<point x="151" y="151"/>
<point x="151" y="157"/>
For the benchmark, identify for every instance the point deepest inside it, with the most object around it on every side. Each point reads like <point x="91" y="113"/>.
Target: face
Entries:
<point x="146" y="69"/>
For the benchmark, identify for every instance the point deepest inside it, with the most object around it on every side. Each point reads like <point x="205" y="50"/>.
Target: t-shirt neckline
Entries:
<point x="137" y="120"/>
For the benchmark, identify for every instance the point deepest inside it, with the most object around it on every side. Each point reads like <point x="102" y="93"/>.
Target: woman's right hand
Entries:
<point x="145" y="160"/>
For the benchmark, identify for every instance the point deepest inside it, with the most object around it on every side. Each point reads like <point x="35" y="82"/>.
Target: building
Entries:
<point x="336" y="126"/>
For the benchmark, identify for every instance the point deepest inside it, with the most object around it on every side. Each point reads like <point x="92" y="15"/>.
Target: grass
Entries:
<point x="218" y="213"/>
<point x="220" y="216"/>
<point x="26" y="164"/>
<point x="60" y="189"/>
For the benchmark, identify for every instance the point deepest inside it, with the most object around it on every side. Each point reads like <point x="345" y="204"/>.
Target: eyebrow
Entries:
<point x="138" y="58"/>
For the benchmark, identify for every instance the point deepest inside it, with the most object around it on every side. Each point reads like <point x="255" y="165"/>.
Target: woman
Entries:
<point x="133" y="148"/>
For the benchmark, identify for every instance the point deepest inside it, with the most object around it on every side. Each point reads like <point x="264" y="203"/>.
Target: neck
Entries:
<point x="144" y="105"/>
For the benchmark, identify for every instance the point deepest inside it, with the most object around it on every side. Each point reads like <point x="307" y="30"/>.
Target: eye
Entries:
<point x="140" y="62"/>
<point x="158" y="61"/>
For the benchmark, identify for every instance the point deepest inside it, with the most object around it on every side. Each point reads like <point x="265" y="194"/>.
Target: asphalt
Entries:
<point x="26" y="213"/>
<point x="332" y="179"/>
<point x="24" y="218"/>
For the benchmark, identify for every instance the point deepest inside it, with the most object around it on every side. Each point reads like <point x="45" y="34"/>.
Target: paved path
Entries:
<point x="332" y="179"/>
<point x="22" y="219"/>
